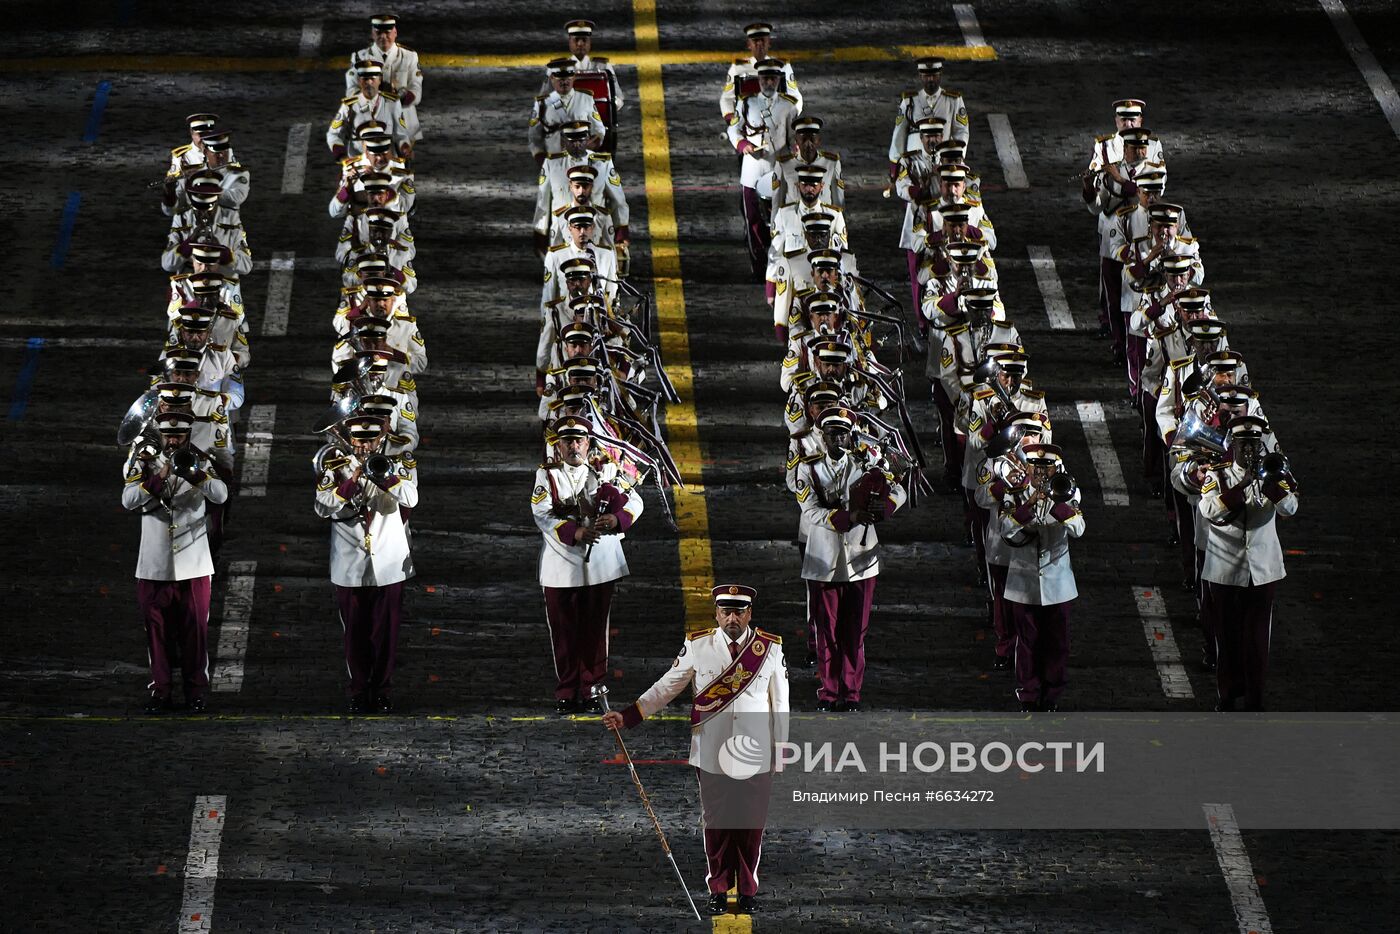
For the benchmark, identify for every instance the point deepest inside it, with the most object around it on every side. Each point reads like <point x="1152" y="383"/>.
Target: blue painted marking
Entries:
<point x="20" y="401"/>
<point x="99" y="104"/>
<point x="65" y="230"/>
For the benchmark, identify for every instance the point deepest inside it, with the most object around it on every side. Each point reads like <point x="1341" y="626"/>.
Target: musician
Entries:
<point x="805" y="446"/>
<point x="805" y="224"/>
<point x="191" y="154"/>
<point x="205" y="221"/>
<point x="761" y="131"/>
<point x="1108" y="149"/>
<point x="211" y="434"/>
<point x="361" y="489"/>
<point x="218" y="164"/>
<point x="1143" y="258"/>
<point x="1116" y="189"/>
<point x="1003" y="469"/>
<point x="826" y="319"/>
<point x="744" y="72"/>
<point x="559" y="188"/>
<point x="1241" y="499"/>
<point x="577" y="339"/>
<point x="582" y="180"/>
<point x="582" y="521"/>
<point x="739" y="679"/>
<point x="215" y="365"/>
<point x="915" y="177"/>
<point x="932" y="100"/>
<point x="371" y="103"/>
<point x="1154" y="320"/>
<point x="364" y="185"/>
<point x="952" y="256"/>
<point x="818" y="268"/>
<point x="1038" y="520"/>
<point x="400" y="73"/>
<point x="208" y="289"/>
<point x="842" y="498"/>
<point x="580" y="32"/>
<point x="979" y="413"/>
<point x="580" y="267"/>
<point x="399" y="337"/>
<point x="169" y="484"/>
<point x="806" y="153"/>
<point x="563" y="104"/>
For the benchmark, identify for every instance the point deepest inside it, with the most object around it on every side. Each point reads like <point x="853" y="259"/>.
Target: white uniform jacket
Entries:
<point x="703" y="657"/>
<point x="225" y="226"/>
<point x="548" y="114"/>
<point x="745" y="68"/>
<point x="369" y="547"/>
<point x="838" y="551"/>
<point x="593" y="63"/>
<point x="562" y="494"/>
<point x="554" y="191"/>
<point x="401" y="73"/>
<point x="353" y="111"/>
<point x="174" y="538"/>
<point x="915" y="106"/>
<point x="782" y="186"/>
<point x="1039" y="572"/>
<point x="1242" y="546"/>
<point x="766" y="123"/>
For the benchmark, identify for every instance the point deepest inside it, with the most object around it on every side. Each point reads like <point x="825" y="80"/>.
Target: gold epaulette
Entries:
<point x="599" y="157"/>
<point x="829" y="154"/>
<point x="696" y="635"/>
<point x="350" y="100"/>
<point x="556" y="155"/>
<point x="598" y="59"/>
<point x="559" y="246"/>
<point x="948" y="93"/>
<point x="790" y="98"/>
<point x="983" y="392"/>
<point x="764" y="632"/>
<point x="1033" y="393"/>
<point x="955" y="329"/>
<point x="389" y="95"/>
<point x="741" y="61"/>
<point x="1105" y="138"/>
<point x="181" y="150"/>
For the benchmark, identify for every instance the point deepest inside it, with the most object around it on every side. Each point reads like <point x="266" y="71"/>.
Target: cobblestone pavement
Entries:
<point x="472" y="810"/>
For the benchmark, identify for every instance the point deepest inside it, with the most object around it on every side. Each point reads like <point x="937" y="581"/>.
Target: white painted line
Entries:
<point x="233" y="628"/>
<point x="1371" y="70"/>
<point x="202" y="864"/>
<point x="279" y="294"/>
<point x="310" y="39"/>
<point x="1056" y="307"/>
<point x="1250" y="913"/>
<point x="1162" y="642"/>
<point x="967" y="22"/>
<point x="1007" y="152"/>
<point x="1115" y="491"/>
<point x="257" y="450"/>
<point x="304" y="264"/>
<point x="294" y="169"/>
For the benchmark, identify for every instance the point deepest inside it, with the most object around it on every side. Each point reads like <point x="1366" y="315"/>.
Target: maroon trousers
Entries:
<point x="176" y="618"/>
<point x="947" y="436"/>
<point x="1110" y="303"/>
<point x="1154" y="452"/>
<point x="370" y="617"/>
<point x="578" y="631"/>
<point x="1204" y="611"/>
<point x="735" y="812"/>
<point x="1185" y="518"/>
<point x="1244" y="618"/>
<point x="1137" y="356"/>
<point x="1042" y="650"/>
<point x="756" y="231"/>
<point x="807" y="602"/>
<point x="841" y="614"/>
<point x="1002" y="624"/>
<point x="911" y="259"/>
<point x="976" y="518"/>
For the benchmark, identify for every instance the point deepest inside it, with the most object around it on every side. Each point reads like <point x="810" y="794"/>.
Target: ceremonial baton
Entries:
<point x="600" y="693"/>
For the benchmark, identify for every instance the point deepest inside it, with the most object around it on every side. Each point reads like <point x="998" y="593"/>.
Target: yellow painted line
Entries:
<point x="646" y="55"/>
<point x="733" y="924"/>
<point x="682" y="429"/>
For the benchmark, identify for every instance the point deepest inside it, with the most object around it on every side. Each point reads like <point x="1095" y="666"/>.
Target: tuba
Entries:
<point x="1194" y="433"/>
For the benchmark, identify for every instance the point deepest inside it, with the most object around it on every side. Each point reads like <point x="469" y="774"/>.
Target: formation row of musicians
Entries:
<point x="1208" y="449"/>
<point x="181" y="434"/>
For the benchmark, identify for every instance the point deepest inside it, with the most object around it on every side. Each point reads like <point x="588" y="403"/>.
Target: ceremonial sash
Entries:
<point x="733" y="681"/>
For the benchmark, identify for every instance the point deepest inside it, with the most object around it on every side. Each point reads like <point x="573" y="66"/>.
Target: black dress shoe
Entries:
<point x="358" y="703"/>
<point x="1208" y="661"/>
<point x="1001" y="662"/>
<point x="383" y="703"/>
<point x="823" y="706"/>
<point x="589" y="705"/>
<point x="1104" y="332"/>
<point x="719" y="903"/>
<point x="1188" y="585"/>
<point x="850" y="706"/>
<point x="156" y="704"/>
<point x="565" y="705"/>
<point x="1028" y="707"/>
<point x="811" y="659"/>
<point x="1225" y="706"/>
<point x="1157" y="494"/>
<point x="748" y="904"/>
<point x="1050" y="708"/>
<point x="197" y="704"/>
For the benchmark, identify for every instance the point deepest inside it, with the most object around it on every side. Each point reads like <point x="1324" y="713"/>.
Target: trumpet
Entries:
<point x="1275" y="468"/>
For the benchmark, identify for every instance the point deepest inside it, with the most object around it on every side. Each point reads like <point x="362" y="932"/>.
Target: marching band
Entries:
<point x="849" y="348"/>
